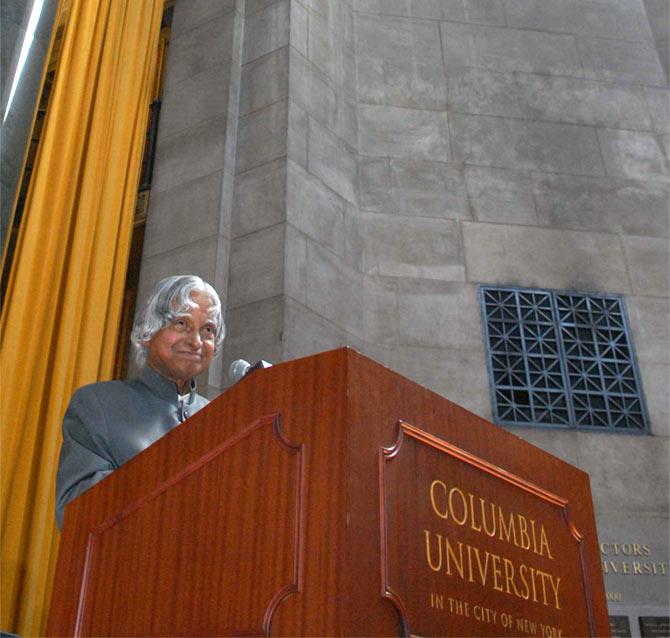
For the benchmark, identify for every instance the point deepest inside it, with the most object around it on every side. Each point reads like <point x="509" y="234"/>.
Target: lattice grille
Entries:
<point x="561" y="359"/>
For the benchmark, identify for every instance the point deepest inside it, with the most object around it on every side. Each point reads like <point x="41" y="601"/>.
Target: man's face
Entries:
<point x="184" y="349"/>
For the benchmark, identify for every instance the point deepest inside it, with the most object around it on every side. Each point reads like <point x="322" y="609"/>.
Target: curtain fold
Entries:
<point x="60" y="319"/>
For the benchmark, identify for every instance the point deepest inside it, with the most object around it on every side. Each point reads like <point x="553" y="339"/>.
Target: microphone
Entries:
<point x="241" y="368"/>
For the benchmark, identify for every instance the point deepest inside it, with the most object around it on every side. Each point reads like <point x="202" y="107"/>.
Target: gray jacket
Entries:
<point x="108" y="423"/>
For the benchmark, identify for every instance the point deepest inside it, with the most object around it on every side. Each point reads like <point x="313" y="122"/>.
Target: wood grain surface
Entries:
<point x="276" y="511"/>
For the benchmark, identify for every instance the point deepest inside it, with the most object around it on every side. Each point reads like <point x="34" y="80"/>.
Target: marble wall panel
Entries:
<point x="264" y="81"/>
<point x="544" y="258"/>
<point x="266" y="30"/>
<point x="648" y="265"/>
<point x="511" y="143"/>
<point x="262" y="136"/>
<point x="631" y="154"/>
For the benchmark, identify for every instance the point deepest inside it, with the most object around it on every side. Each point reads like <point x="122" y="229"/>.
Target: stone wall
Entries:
<point x="392" y="155"/>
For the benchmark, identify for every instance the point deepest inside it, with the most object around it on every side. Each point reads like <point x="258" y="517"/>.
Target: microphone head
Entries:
<point x="238" y="369"/>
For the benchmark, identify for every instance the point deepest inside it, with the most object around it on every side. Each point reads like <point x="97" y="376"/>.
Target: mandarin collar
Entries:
<point x="162" y="387"/>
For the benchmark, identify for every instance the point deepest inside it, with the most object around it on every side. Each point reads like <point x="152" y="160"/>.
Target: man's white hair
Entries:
<point x="172" y="297"/>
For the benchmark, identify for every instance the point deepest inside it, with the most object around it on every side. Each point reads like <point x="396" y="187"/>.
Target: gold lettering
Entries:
<point x="428" y="552"/>
<point x="441" y="514"/>
<point x="458" y="561"/>
<point x="522" y="574"/>
<point x="637" y="568"/>
<point x="489" y="532"/>
<point x="472" y="514"/>
<point x="452" y="491"/>
<point x="523" y="532"/>
<point x="509" y="530"/>
<point x="544" y="543"/>
<point x="496" y="572"/>
<point x="482" y="571"/>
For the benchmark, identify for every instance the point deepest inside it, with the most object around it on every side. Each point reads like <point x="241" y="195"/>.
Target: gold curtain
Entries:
<point x="60" y="319"/>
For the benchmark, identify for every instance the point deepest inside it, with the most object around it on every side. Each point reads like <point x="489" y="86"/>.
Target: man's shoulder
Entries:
<point x="104" y="391"/>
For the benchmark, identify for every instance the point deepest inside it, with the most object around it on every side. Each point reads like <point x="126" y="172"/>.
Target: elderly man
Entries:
<point x="175" y="335"/>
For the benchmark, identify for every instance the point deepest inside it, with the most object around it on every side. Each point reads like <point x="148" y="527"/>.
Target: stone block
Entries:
<point x="648" y="319"/>
<point x="266" y="30"/>
<point x="183" y="214"/>
<point x="428" y="189"/>
<point x="371" y="85"/>
<point x="323" y="46"/>
<point x="577" y="101"/>
<point x="254" y="332"/>
<point x="295" y="265"/>
<point x="437" y="314"/>
<point x="483" y="92"/>
<point x="648" y="265"/>
<point x="262" y="136"/>
<point x="201" y="257"/>
<point x="205" y="46"/>
<point x="619" y="485"/>
<point x="413" y="84"/>
<point x="399" y="246"/>
<point x="579" y="17"/>
<point x="298" y="29"/>
<point x="375" y="184"/>
<point x="500" y="195"/>
<point x="256" y="266"/>
<point x="333" y="289"/>
<point x="349" y="72"/>
<point x="264" y="81"/>
<point x="310" y="88"/>
<point x="560" y="443"/>
<point x="544" y="258"/>
<point x="659" y="107"/>
<point x="184" y="157"/>
<point x="622" y="61"/>
<point x="457" y="374"/>
<point x="475" y="11"/>
<point x="314" y="209"/>
<point x="377" y="320"/>
<point x="511" y="143"/>
<point x="260" y="198"/>
<point x="619" y="532"/>
<point x="332" y="161"/>
<point x="509" y="49"/>
<point x="308" y="333"/>
<point x="632" y="154"/>
<point x="195" y="99"/>
<point x="655" y="383"/>
<point x="397" y="38"/>
<point x="348" y="120"/>
<point x="192" y="13"/>
<point x="298" y="126"/>
<point x="394" y="132"/>
<point x="602" y="204"/>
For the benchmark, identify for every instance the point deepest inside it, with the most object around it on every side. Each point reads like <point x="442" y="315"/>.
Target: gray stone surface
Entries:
<point x="620" y="485"/>
<point x="397" y="39"/>
<point x="648" y="265"/>
<point x="264" y="81"/>
<point x="428" y="189"/>
<point x="631" y="154"/>
<point x="262" y="136"/>
<point x="188" y="15"/>
<point x="190" y="154"/>
<point x="266" y="30"/>
<point x="394" y="132"/>
<point x="580" y="17"/>
<point x="260" y="198"/>
<point x="475" y="11"/>
<point x="183" y="214"/>
<point x="194" y="100"/>
<point x="421" y="247"/>
<point x="256" y="266"/>
<point x="538" y="257"/>
<point x="501" y="195"/>
<point x="332" y="160"/>
<point x="315" y="210"/>
<point x="509" y="49"/>
<point x="503" y="142"/>
<point x="619" y="60"/>
<point x="307" y="332"/>
<point x="199" y="48"/>
<point x="483" y="91"/>
<point x="602" y="204"/>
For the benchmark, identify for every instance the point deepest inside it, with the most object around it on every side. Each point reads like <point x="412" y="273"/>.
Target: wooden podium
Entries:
<point x="330" y="496"/>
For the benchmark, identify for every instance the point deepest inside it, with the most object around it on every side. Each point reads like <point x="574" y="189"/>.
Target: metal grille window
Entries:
<point x="561" y="359"/>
